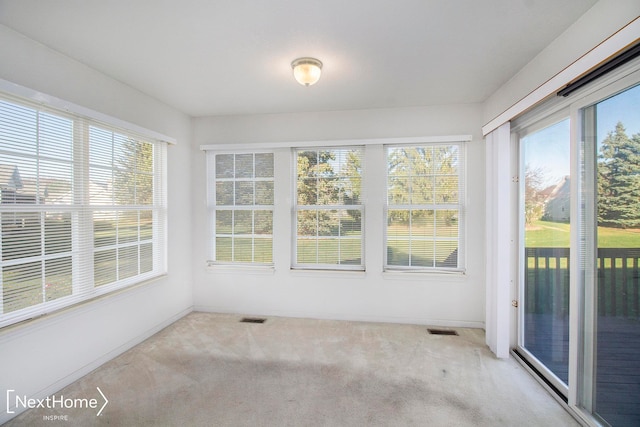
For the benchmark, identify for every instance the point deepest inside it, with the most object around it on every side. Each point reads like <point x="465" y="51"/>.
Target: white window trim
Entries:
<point x="77" y="110"/>
<point x="369" y="201"/>
<point x="83" y="255"/>
<point x="254" y="267"/>
<point x="461" y="206"/>
<point x="295" y="265"/>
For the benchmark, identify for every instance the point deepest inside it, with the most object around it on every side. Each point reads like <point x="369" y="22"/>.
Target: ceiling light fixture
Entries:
<point x="307" y="70"/>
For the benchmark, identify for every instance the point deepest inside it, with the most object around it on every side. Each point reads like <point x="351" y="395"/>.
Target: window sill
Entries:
<point x="421" y="275"/>
<point x="244" y="269"/>
<point x="328" y="273"/>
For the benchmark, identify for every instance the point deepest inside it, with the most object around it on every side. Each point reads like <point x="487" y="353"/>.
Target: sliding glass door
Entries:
<point x="545" y="215"/>
<point x="579" y="247"/>
<point x="613" y="125"/>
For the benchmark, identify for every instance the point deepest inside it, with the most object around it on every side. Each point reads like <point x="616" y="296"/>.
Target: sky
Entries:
<point x="549" y="148"/>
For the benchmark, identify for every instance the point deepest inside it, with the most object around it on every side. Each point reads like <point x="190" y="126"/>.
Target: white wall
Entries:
<point x="373" y="296"/>
<point x="39" y="357"/>
<point x="601" y="21"/>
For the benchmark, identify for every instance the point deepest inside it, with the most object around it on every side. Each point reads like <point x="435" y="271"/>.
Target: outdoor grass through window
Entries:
<point x="424" y="206"/>
<point x="328" y="210"/>
<point x="82" y="209"/>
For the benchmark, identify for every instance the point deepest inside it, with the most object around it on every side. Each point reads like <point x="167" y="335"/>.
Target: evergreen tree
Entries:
<point x="619" y="180"/>
<point x="133" y="176"/>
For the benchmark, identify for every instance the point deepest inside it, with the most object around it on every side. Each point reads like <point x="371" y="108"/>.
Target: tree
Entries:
<point x="422" y="175"/>
<point x="619" y="180"/>
<point x="133" y="176"/>
<point x="533" y="197"/>
<point x="316" y="186"/>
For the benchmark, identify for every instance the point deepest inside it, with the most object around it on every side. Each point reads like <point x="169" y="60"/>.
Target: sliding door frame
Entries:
<point x="580" y="392"/>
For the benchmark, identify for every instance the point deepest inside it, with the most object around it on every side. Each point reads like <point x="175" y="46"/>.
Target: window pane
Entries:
<point x="263" y="222"/>
<point x="21" y="286"/>
<point x="55" y="136"/>
<point x="144" y="159"/>
<point x="307" y="191"/>
<point x="224" y="222"/>
<point x="224" y="166"/>
<point x="243" y="249"/>
<point x="105" y="267"/>
<point x="104" y="229"/>
<point x="307" y="223"/>
<point x="125" y="187"/>
<point x="244" y="193"/>
<point x="101" y="187"/>
<point x="18" y="128"/>
<point x="447" y="223"/>
<point x="350" y="251"/>
<point x="398" y="191"/>
<point x="244" y="181"/>
<point x="422" y="252"/>
<point x="264" y="193"/>
<point x="263" y="250"/>
<point x="58" y="278"/>
<point x="447" y="254"/>
<point x="45" y="233"/>
<point x="243" y="222"/>
<point x="329" y="177"/>
<point x="423" y="178"/>
<point x="244" y="166"/>
<point x="127" y="262"/>
<point x="264" y="165"/>
<point x="144" y="189"/>
<point x="21" y="235"/>
<point x="146" y="225"/>
<point x="224" y="193"/>
<point x="421" y="190"/>
<point x="57" y="233"/>
<point x="307" y="250"/>
<point x="127" y="226"/>
<point x="447" y="160"/>
<point x="100" y="147"/>
<point x="146" y="258"/>
<point x="224" y="249"/>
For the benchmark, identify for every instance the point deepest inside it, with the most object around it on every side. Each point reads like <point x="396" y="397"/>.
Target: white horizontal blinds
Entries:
<point x="242" y="200"/>
<point x="52" y="203"/>
<point x="424" y="227"/>
<point x="328" y="208"/>
<point x="123" y="209"/>
<point x="36" y="175"/>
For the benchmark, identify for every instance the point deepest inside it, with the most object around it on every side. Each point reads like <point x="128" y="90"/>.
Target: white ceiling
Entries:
<point x="216" y="57"/>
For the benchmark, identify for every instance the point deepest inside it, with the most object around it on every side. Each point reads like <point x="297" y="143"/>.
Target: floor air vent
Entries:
<point x="252" y="320"/>
<point x="442" y="332"/>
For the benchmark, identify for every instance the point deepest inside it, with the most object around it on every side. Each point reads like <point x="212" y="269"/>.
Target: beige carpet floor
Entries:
<point x="213" y="370"/>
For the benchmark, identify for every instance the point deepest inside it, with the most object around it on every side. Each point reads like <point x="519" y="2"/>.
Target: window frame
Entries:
<point x="79" y="208"/>
<point x="212" y="206"/>
<point x="460" y="268"/>
<point x="296" y="208"/>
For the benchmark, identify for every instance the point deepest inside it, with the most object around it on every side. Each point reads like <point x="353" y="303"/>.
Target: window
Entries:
<point x="424" y="206"/>
<point x="241" y="203"/>
<point x="328" y="209"/>
<point x="82" y="209"/>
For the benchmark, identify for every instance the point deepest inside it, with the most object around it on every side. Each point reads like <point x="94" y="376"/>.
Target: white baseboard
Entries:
<point x="350" y="317"/>
<point x="63" y="382"/>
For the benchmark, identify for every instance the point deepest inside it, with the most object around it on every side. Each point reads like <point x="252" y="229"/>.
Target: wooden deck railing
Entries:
<point x="547" y="281"/>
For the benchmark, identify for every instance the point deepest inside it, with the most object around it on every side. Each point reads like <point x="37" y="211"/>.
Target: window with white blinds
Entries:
<point x="328" y="208"/>
<point x="425" y="207"/>
<point x="241" y="197"/>
<point x="82" y="209"/>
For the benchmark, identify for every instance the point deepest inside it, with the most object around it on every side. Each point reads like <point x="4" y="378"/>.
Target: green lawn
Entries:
<point x="557" y="235"/>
